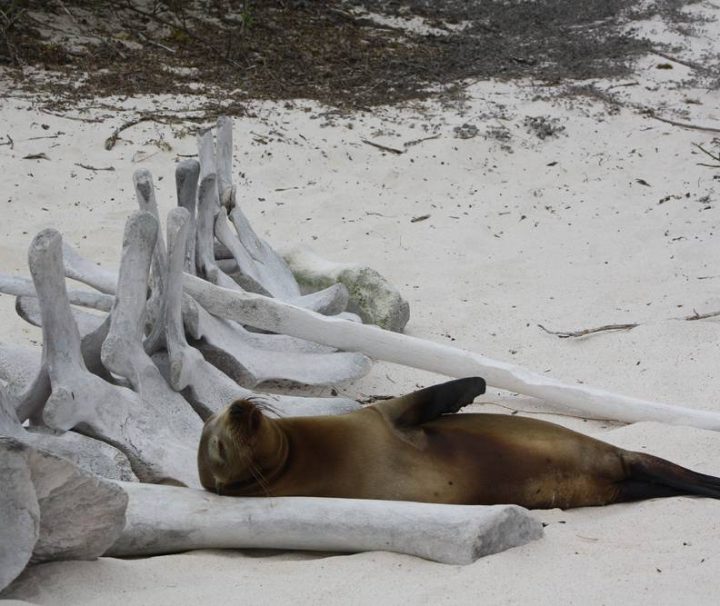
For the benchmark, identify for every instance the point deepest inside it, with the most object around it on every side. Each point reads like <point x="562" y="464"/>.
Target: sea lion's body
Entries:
<point x="408" y="449"/>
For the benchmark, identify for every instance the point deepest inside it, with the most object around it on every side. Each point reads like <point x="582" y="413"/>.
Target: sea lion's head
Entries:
<point x="236" y="446"/>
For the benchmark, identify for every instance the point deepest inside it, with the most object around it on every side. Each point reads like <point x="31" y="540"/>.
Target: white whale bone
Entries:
<point x="265" y="268"/>
<point x="20" y="286"/>
<point x="168" y="418"/>
<point x="88" y="272"/>
<point x="165" y="519"/>
<point x="187" y="174"/>
<point x="28" y="308"/>
<point x="145" y="193"/>
<point x="81" y="400"/>
<point x="223" y="160"/>
<point x="93" y="329"/>
<point x="580" y="400"/>
<point x="185" y="368"/>
<point x="208" y="209"/>
<point x="87" y="453"/>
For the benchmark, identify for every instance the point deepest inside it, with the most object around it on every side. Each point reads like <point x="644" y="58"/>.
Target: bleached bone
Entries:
<point x="186" y="369"/>
<point x="145" y="193"/>
<point x="21" y="286"/>
<point x="164" y="519"/>
<point x="251" y="366"/>
<point x="113" y="414"/>
<point x="168" y="417"/>
<point x="260" y="270"/>
<point x="223" y="160"/>
<point x="51" y="510"/>
<point x="88" y="454"/>
<point x="207" y="211"/>
<point x="93" y="329"/>
<point x="187" y="173"/>
<point x="371" y="296"/>
<point x="206" y="156"/>
<point x="88" y="272"/>
<point x="24" y="371"/>
<point x="19" y="364"/>
<point x="580" y="400"/>
<point x="232" y="354"/>
<point x="28" y="308"/>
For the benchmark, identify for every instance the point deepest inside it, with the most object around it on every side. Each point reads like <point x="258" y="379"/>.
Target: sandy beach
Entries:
<point x="512" y="207"/>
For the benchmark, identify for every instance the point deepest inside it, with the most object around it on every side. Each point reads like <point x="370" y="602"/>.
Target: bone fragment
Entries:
<point x="208" y="209"/>
<point x="223" y="159"/>
<point x="164" y="519"/>
<point x="52" y="510"/>
<point x="21" y="286"/>
<point x="580" y="400"/>
<point x="187" y="173"/>
<point x="28" y="309"/>
<point x="24" y="370"/>
<point x="145" y="192"/>
<point x="19" y="365"/>
<point x="88" y="272"/>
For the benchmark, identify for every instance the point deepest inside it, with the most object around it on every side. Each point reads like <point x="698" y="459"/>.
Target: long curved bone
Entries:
<point x="28" y="308"/>
<point x="175" y="426"/>
<point x="210" y="389"/>
<point x="165" y="519"/>
<point x="261" y="270"/>
<point x="83" y="270"/>
<point x="93" y="329"/>
<point x="79" y="399"/>
<point x="20" y="286"/>
<point x="580" y="400"/>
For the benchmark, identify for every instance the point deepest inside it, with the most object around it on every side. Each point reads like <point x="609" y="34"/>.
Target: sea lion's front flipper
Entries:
<point x="429" y="403"/>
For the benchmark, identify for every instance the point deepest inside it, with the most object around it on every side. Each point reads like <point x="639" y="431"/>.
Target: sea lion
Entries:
<point x="410" y="448"/>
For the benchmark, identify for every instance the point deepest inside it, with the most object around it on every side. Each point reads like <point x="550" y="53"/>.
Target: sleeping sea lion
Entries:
<point x="410" y="448"/>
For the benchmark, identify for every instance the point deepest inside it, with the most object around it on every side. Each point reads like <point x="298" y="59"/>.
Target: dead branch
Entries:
<point x="566" y="334"/>
<point x="707" y="153"/>
<point x="687" y="125"/>
<point x="588" y="331"/>
<point x="87" y="167"/>
<point x="392" y="150"/>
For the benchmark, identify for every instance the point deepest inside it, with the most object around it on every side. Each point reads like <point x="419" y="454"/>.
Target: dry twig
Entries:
<point x="566" y="334"/>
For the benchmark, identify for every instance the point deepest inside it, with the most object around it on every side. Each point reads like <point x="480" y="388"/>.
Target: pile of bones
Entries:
<point x="98" y="433"/>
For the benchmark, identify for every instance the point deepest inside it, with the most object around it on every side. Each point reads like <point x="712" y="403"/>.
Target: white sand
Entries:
<point x="511" y="242"/>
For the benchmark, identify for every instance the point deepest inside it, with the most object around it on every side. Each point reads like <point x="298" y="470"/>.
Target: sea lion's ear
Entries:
<point x="246" y="415"/>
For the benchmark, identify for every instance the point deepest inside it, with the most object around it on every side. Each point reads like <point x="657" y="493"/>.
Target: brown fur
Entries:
<point x="408" y="449"/>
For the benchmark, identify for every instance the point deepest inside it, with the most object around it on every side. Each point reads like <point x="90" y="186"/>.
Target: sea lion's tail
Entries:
<point x="650" y="477"/>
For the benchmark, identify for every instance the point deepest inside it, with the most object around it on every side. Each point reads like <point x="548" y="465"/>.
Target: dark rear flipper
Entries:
<point x="651" y="477"/>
